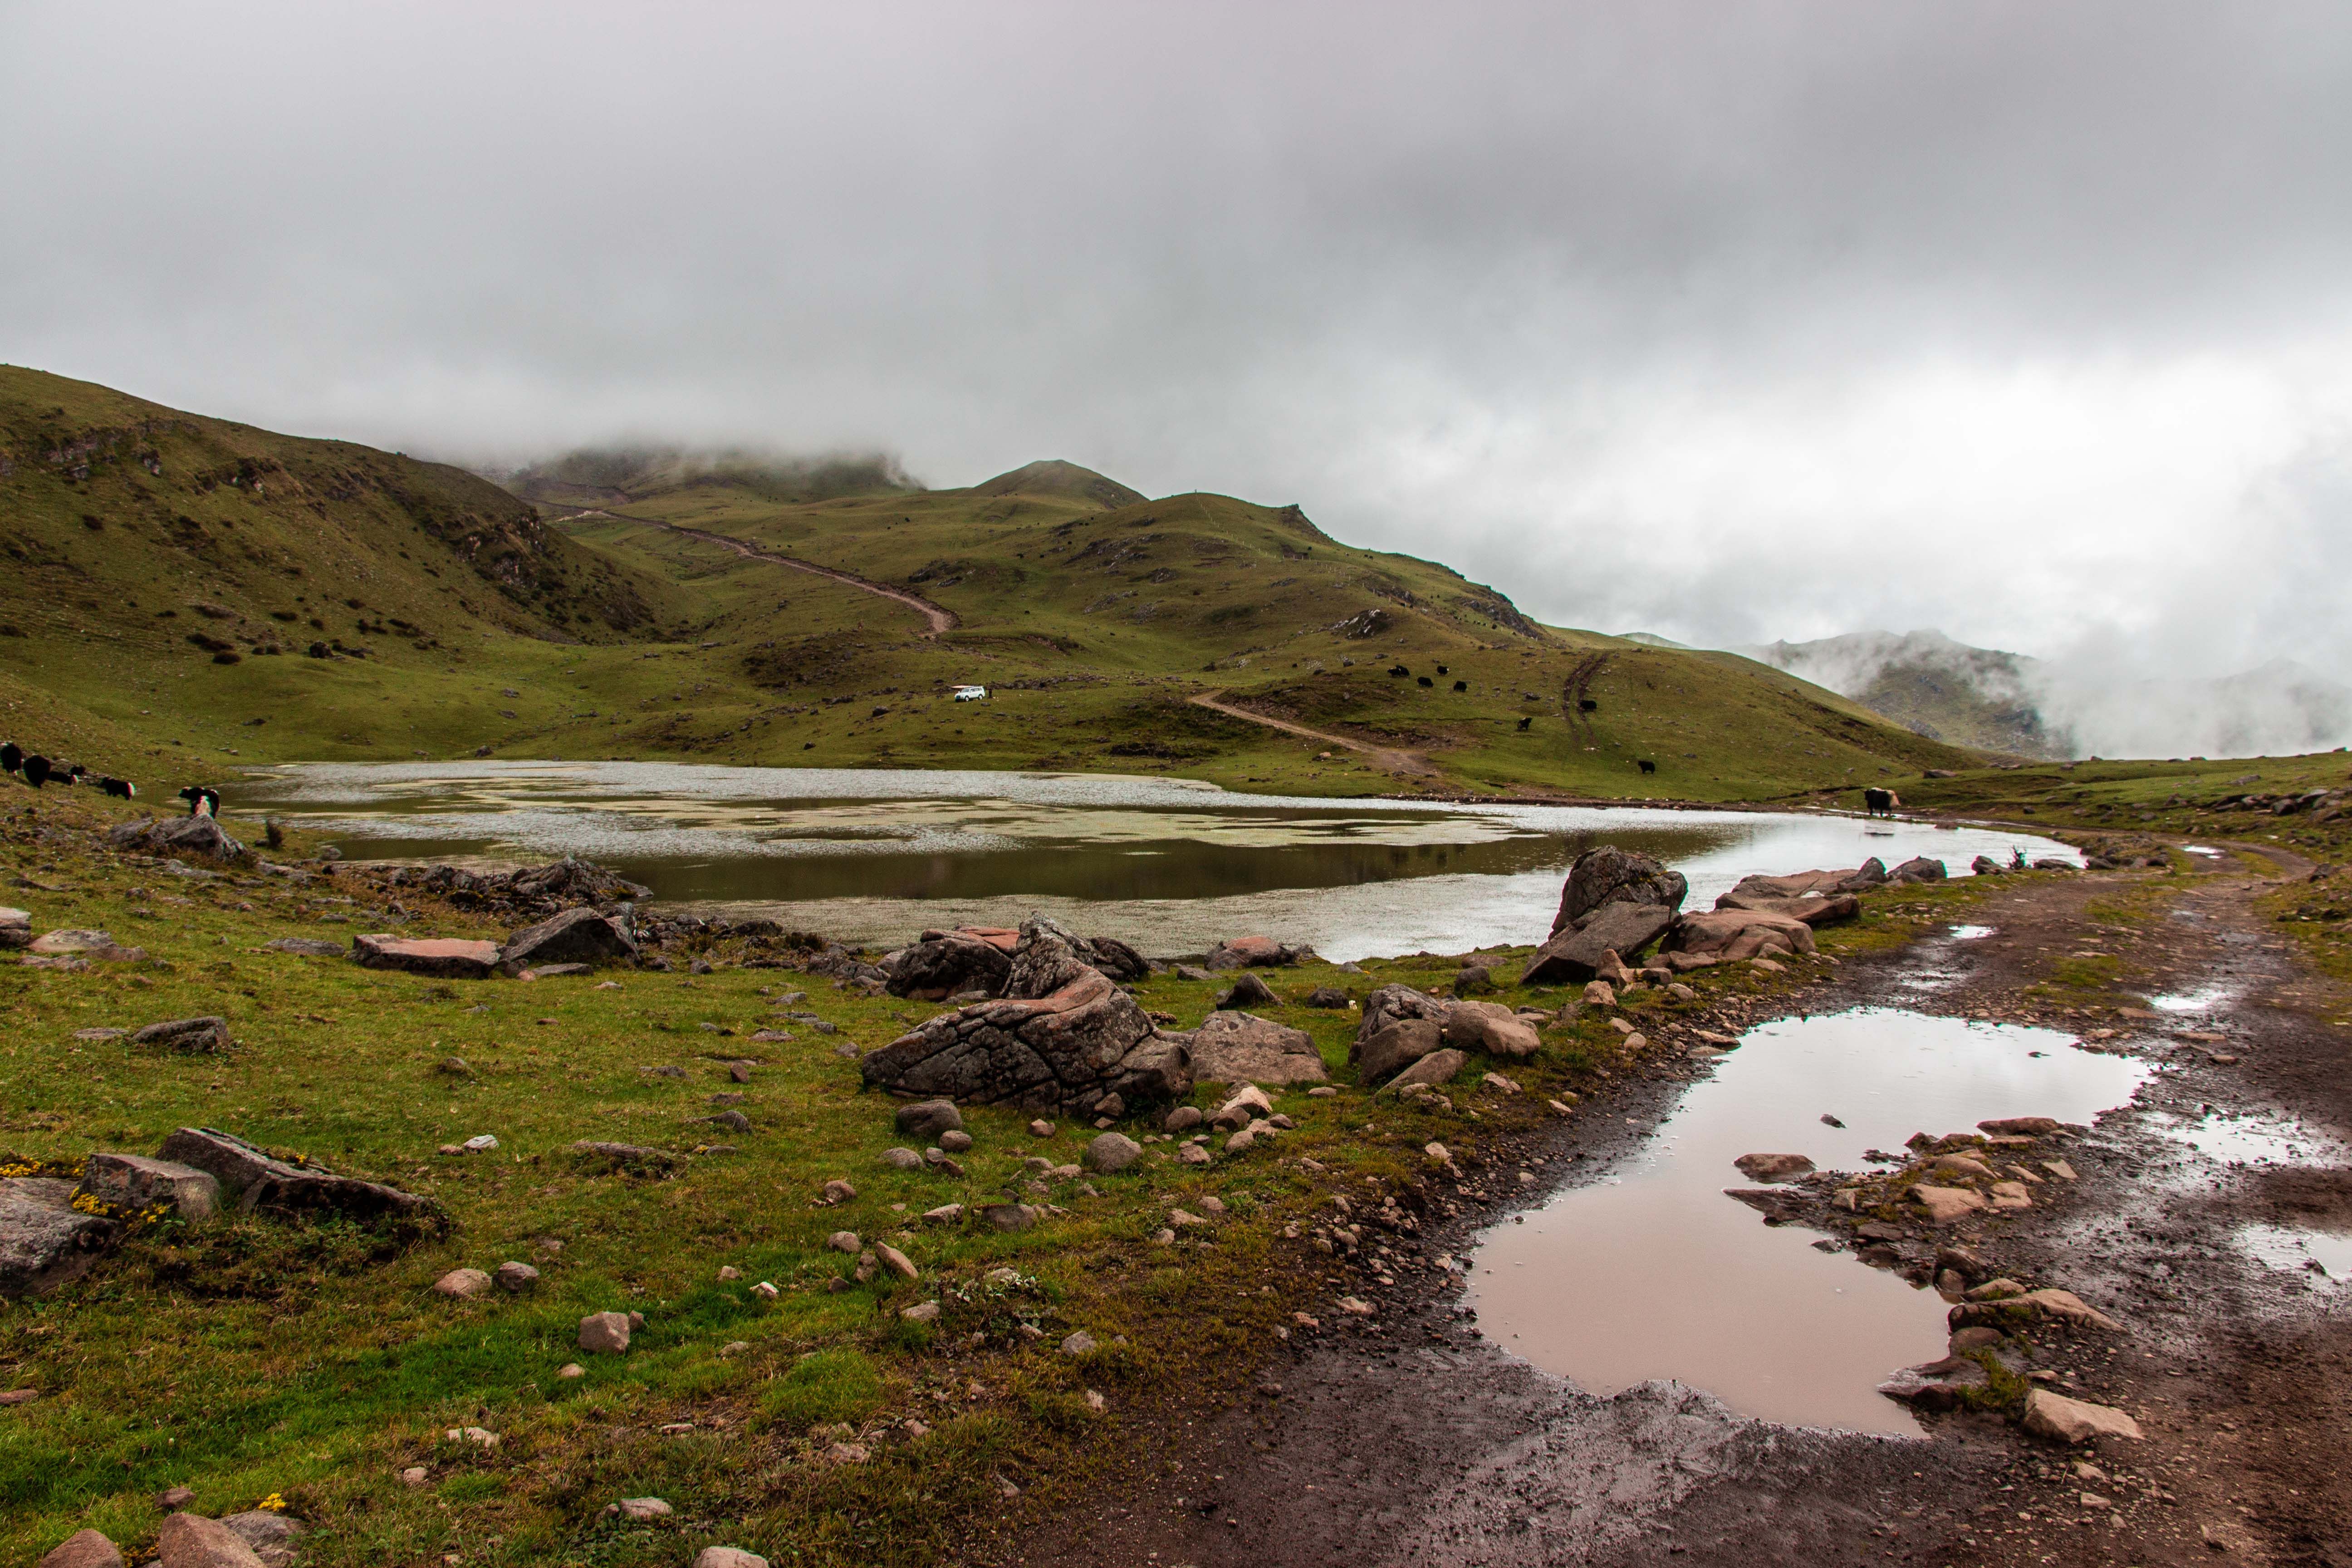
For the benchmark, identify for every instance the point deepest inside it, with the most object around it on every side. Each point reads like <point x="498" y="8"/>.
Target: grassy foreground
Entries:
<point x="251" y="1357"/>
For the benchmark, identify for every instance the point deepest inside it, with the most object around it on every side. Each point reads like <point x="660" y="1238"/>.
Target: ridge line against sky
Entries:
<point x="1728" y="322"/>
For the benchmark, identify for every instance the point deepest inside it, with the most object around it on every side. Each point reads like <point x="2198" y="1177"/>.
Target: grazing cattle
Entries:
<point x="203" y="801"/>
<point x="1424" y="680"/>
<point x="1587" y="705"/>
<point x="1399" y="669"/>
<point x="1879" y="802"/>
<point x="71" y="772"/>
<point x="1647" y="766"/>
<point x="12" y="757"/>
<point x="1461" y="685"/>
<point x="1440" y="669"/>
<point x="119" y="789"/>
<point x="36" y="770"/>
<point x="1525" y="722"/>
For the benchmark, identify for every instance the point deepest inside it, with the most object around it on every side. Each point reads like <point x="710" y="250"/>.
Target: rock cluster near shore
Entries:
<point x="1062" y="1038"/>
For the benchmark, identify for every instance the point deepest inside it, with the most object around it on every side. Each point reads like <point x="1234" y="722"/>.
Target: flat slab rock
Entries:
<point x="442" y="957"/>
<point x="1241" y="1047"/>
<point x="1575" y="953"/>
<point x="255" y="1182"/>
<point x="44" y="1241"/>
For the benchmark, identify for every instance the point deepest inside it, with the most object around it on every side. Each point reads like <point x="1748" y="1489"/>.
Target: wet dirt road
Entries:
<point x="1409" y="1438"/>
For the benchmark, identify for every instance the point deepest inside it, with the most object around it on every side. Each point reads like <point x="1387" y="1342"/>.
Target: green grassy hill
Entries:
<point x="158" y="557"/>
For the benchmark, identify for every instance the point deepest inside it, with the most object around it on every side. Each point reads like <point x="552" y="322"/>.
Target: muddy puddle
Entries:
<point x="1171" y="864"/>
<point x="1653" y="1273"/>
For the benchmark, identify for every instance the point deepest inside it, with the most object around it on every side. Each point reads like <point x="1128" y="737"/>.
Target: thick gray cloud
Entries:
<point x="1727" y="322"/>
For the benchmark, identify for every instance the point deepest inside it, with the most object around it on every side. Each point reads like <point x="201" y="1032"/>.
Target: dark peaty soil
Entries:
<point x="1408" y="1439"/>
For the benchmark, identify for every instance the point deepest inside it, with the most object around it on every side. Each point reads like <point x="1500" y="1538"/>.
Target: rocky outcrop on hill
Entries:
<point x="527" y="893"/>
<point x="199" y="835"/>
<point x="1062" y="1037"/>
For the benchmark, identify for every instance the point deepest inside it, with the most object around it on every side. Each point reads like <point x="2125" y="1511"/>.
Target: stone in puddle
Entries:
<point x="1938" y="1384"/>
<point x="1773" y="1167"/>
<point x="2048" y="1414"/>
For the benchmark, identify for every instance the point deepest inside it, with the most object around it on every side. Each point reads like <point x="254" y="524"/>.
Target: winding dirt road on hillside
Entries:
<point x="1394" y="760"/>
<point x="937" y="617"/>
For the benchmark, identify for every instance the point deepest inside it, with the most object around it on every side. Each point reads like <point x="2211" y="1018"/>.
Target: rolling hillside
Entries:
<point x="195" y="593"/>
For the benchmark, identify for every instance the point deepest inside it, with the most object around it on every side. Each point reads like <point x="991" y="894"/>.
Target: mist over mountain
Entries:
<point x="2070" y="707"/>
<point x="617" y="473"/>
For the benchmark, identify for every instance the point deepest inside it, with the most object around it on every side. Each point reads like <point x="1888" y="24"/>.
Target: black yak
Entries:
<point x="36" y="770"/>
<point x="1424" y="680"/>
<point x="12" y="757"/>
<point x="1525" y="722"/>
<point x="119" y="789"/>
<point x="1587" y="705"/>
<point x="1461" y="686"/>
<point x="1647" y="766"/>
<point x="1879" y="802"/>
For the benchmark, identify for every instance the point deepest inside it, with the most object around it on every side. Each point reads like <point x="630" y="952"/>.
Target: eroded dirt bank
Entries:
<point x="1407" y="1438"/>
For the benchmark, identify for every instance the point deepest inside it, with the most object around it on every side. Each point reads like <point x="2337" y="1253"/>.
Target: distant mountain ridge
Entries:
<point x="2000" y="701"/>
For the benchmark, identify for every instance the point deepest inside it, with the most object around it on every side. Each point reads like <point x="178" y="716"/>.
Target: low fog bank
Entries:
<point x="2072" y="706"/>
<point x="619" y="471"/>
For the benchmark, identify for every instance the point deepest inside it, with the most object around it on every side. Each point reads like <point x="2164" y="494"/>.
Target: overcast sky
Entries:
<point x="2031" y="324"/>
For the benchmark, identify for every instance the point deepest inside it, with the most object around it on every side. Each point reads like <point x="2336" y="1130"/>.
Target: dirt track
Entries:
<point x="1388" y="758"/>
<point x="1420" y="1443"/>
<point x="937" y="619"/>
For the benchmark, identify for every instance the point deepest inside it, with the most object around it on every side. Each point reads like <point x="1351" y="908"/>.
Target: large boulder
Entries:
<point x="255" y="1182"/>
<point x="199" y="835"/>
<point x="576" y="936"/>
<point x="444" y="958"/>
<point x="946" y="964"/>
<point x="1491" y="1027"/>
<point x="274" y="1538"/>
<point x="1919" y="868"/>
<point x="1241" y="1047"/>
<point x="1387" y="1004"/>
<point x="1726" y="934"/>
<point x="1254" y="952"/>
<point x="1871" y="873"/>
<point x="135" y="1181"/>
<point x="1608" y="875"/>
<point x="1062" y="1036"/>
<point x="1574" y="954"/>
<point x="1115" y="958"/>
<point x="44" y="1241"/>
<point x="191" y="1540"/>
<point x="83" y="1549"/>
<point x="1396" y="1047"/>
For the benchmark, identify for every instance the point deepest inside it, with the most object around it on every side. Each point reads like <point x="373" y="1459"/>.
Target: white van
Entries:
<point x="971" y="693"/>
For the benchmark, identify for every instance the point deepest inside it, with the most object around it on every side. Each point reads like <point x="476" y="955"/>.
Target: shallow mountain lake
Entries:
<point x="873" y="855"/>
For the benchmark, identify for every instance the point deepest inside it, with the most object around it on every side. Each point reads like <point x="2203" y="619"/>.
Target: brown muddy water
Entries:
<point x="1652" y="1273"/>
<point x="872" y="856"/>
